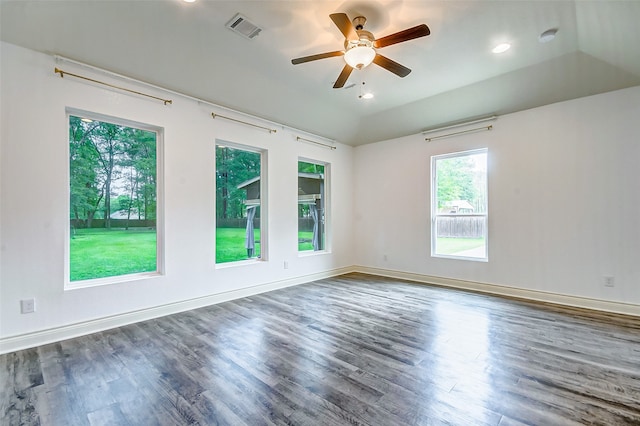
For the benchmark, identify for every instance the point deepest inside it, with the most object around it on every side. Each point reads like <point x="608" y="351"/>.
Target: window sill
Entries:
<point x="96" y="282"/>
<point x="308" y="253"/>
<point x="473" y="259"/>
<point x="254" y="261"/>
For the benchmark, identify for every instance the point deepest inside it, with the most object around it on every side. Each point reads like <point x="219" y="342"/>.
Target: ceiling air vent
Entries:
<point x="241" y="25"/>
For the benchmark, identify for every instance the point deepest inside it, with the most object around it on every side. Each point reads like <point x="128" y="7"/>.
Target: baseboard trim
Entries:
<point x="56" y="334"/>
<point x="535" y="295"/>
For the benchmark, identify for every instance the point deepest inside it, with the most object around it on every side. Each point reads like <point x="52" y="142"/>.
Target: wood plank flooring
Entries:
<point x="352" y="350"/>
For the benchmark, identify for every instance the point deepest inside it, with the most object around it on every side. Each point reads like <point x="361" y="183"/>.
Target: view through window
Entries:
<point x="311" y="206"/>
<point x="113" y="199"/>
<point x="459" y="205"/>
<point x="238" y="201"/>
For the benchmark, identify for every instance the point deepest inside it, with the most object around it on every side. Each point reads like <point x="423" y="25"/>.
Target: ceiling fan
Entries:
<point x="360" y="47"/>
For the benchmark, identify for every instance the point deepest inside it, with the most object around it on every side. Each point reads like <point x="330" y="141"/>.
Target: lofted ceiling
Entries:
<point x="187" y="48"/>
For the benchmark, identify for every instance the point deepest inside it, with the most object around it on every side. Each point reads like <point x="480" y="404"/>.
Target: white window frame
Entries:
<point x="264" y="242"/>
<point x="160" y="233"/>
<point x="327" y="207"/>
<point x="434" y="206"/>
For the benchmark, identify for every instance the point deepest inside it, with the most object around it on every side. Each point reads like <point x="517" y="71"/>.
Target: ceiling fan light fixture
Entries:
<point x="359" y="56"/>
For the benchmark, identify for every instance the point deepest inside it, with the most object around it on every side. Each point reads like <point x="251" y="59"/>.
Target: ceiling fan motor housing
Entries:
<point x="365" y="38"/>
<point x="358" y="22"/>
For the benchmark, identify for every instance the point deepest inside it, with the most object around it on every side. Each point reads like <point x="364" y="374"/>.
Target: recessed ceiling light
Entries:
<point x="502" y="47"/>
<point x="189" y="1"/>
<point x="548" y="35"/>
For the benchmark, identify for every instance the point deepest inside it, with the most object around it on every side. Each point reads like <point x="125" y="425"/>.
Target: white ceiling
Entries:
<point x="186" y="47"/>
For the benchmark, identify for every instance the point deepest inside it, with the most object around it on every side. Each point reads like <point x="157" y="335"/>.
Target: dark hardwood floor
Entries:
<point x="355" y="349"/>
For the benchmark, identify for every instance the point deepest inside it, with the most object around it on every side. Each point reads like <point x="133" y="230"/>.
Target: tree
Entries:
<point x="86" y="188"/>
<point x="139" y="171"/>
<point x="107" y="161"/>
<point x="233" y="167"/>
<point x="456" y="179"/>
<point x="107" y="140"/>
<point x="304" y="167"/>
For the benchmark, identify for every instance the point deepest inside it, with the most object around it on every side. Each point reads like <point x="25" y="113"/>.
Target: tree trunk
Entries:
<point x="107" y="203"/>
<point x="134" y="186"/>
<point x="90" y="215"/>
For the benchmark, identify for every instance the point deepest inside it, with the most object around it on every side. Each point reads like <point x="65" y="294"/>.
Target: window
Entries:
<point x="311" y="206"/>
<point x="238" y="201"/>
<point x="459" y="205"/>
<point x="113" y="198"/>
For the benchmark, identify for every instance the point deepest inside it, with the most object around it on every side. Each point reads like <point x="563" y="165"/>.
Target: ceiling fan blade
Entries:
<point x="399" y="37"/>
<point x="389" y="65"/>
<point x="316" y="57"/>
<point x="342" y="78"/>
<point x="345" y="26"/>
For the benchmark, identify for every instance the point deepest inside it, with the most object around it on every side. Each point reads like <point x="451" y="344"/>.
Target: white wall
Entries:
<point x="34" y="206"/>
<point x="564" y="201"/>
<point x="564" y="204"/>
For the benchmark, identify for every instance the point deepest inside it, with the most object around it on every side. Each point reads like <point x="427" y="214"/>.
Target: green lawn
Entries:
<point x="230" y="244"/>
<point x="305" y="239"/>
<point x="99" y="253"/>
<point x="456" y="245"/>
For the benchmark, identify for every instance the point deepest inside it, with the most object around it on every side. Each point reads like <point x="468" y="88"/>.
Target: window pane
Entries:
<point x="460" y="205"/>
<point x="311" y="206"/>
<point x="113" y="199"/>
<point x="237" y="204"/>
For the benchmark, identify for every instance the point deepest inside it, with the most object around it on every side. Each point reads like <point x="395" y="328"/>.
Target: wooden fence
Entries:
<point x="240" y="222"/>
<point x="115" y="223"/>
<point x="461" y="226"/>
<point x="304" y="223"/>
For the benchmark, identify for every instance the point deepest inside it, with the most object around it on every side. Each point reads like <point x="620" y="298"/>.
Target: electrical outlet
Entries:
<point x="286" y="264"/>
<point x="27" y="306"/>
<point x="609" y="281"/>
